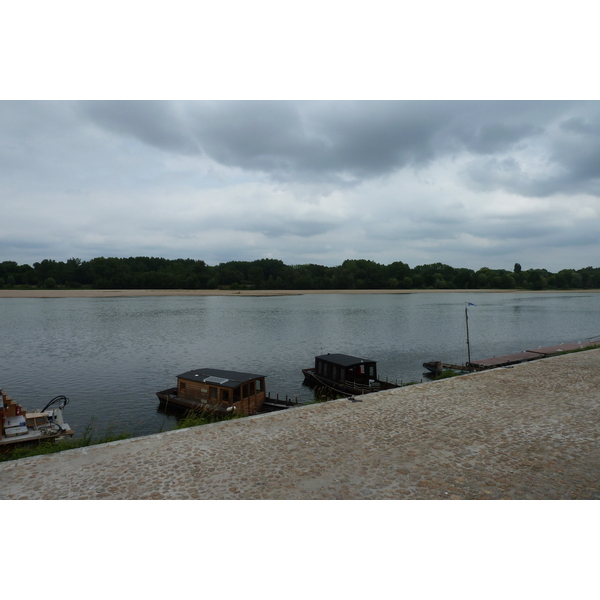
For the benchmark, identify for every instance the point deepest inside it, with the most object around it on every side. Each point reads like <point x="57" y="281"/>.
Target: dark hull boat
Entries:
<point x="342" y="373"/>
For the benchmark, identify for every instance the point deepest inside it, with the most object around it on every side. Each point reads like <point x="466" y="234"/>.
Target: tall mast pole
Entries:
<point x="467" y="324"/>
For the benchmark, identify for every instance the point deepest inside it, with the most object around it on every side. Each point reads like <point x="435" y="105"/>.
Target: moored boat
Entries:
<point x="216" y="390"/>
<point x="20" y="427"/>
<point x="435" y="367"/>
<point x="347" y="374"/>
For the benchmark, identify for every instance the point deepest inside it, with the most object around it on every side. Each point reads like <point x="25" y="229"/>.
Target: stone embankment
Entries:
<point x="527" y="432"/>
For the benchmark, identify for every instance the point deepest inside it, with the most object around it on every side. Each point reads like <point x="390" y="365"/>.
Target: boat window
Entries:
<point x="245" y="390"/>
<point x="371" y="370"/>
<point x="225" y="395"/>
<point x="259" y="385"/>
<point x="252" y="388"/>
<point x="181" y="385"/>
<point x="214" y="393"/>
<point x="236" y="394"/>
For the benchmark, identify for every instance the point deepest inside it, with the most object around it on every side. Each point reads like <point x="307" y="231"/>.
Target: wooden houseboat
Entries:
<point x="346" y="374"/>
<point x="20" y="427"/>
<point x="217" y="390"/>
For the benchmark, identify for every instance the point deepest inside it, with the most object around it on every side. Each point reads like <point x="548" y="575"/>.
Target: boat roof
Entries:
<point x="344" y="360"/>
<point x="220" y="377"/>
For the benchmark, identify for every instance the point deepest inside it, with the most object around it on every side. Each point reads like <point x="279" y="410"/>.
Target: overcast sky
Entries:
<point x="470" y="184"/>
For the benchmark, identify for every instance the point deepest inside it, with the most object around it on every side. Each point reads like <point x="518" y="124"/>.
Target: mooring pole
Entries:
<point x="468" y="344"/>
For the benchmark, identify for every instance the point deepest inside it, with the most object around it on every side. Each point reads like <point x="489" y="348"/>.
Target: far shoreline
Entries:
<point x="121" y="293"/>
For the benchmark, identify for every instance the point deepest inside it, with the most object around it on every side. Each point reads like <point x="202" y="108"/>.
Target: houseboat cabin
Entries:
<point x="342" y="372"/>
<point x="217" y="390"/>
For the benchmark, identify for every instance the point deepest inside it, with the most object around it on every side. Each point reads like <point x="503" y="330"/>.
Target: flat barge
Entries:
<point x="507" y="360"/>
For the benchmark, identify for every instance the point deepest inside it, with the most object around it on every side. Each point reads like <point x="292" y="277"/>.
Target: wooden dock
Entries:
<point x="272" y="404"/>
<point x="508" y="360"/>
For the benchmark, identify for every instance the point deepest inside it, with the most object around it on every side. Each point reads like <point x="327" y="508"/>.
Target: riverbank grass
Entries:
<point x="91" y="438"/>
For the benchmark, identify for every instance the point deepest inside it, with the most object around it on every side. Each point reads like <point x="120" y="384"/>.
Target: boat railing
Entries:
<point x="358" y="387"/>
<point x="363" y="388"/>
<point x="391" y="384"/>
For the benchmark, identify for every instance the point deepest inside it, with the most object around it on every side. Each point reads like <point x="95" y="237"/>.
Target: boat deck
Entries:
<point x="32" y="436"/>
<point x="507" y="359"/>
<point x="170" y="399"/>
<point x="520" y="357"/>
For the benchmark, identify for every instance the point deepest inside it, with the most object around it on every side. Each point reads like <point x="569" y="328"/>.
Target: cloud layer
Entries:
<point x="466" y="183"/>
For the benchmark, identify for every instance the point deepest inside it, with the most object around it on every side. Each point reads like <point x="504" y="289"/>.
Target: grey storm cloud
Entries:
<point x="288" y="140"/>
<point x="158" y="124"/>
<point x="348" y="142"/>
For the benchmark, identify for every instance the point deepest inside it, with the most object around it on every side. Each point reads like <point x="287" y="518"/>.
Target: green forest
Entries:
<point x="271" y="274"/>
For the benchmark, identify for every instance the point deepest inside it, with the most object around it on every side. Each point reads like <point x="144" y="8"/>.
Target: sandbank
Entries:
<point x="84" y="293"/>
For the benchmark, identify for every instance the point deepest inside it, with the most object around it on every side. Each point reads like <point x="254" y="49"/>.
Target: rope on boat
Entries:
<point x="62" y="400"/>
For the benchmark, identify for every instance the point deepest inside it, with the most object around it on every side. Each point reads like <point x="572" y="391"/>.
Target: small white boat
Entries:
<point x="19" y="427"/>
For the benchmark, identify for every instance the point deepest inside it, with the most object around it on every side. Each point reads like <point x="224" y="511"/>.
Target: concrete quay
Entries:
<point x="531" y="431"/>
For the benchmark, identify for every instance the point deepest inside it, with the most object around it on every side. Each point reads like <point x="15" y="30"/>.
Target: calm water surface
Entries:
<point x="110" y="355"/>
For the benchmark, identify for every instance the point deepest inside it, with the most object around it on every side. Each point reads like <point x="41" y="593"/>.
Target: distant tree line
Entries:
<point x="269" y="274"/>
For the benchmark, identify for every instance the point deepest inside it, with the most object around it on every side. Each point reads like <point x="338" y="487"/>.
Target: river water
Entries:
<point x="110" y="355"/>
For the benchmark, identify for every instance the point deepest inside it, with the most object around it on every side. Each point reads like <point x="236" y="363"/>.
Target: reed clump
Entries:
<point x="446" y="374"/>
<point x="193" y="418"/>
